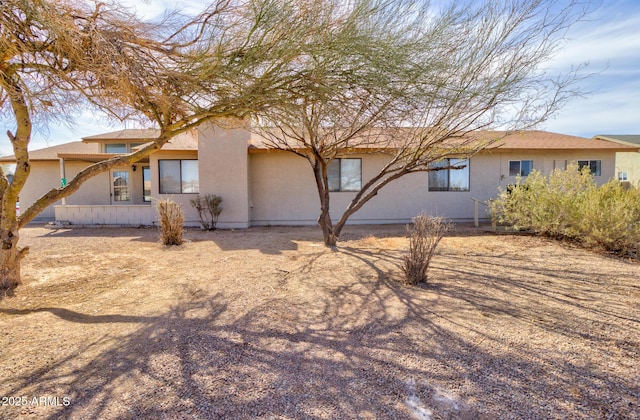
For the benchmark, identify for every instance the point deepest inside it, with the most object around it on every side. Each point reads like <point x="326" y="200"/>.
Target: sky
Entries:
<point x="608" y="40"/>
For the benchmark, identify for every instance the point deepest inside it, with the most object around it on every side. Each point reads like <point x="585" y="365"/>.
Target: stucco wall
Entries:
<point x="282" y="188"/>
<point x="547" y="161"/>
<point x="224" y="171"/>
<point x="283" y="191"/>
<point x="46" y="175"/>
<point x="629" y="163"/>
<point x="43" y="177"/>
<point x="278" y="187"/>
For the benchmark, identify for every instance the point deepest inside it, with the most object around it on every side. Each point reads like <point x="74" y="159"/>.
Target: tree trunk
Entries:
<point x="324" y="220"/>
<point x="10" y="259"/>
<point x="329" y="235"/>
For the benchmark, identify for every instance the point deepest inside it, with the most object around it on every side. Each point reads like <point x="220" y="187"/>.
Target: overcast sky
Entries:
<point x="609" y="41"/>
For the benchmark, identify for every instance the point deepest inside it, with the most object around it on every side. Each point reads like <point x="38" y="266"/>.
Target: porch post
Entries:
<point x="63" y="179"/>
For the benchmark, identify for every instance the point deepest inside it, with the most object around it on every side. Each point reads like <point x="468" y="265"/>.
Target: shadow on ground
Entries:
<point x="367" y="348"/>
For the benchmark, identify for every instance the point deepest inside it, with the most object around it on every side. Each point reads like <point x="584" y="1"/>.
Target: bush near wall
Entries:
<point x="569" y="204"/>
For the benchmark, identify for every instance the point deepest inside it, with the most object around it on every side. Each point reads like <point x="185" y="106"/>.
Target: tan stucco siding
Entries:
<point x="95" y="191"/>
<point x="44" y="176"/>
<point x="224" y="171"/>
<point x="546" y="162"/>
<point x="629" y="163"/>
<point x="283" y="190"/>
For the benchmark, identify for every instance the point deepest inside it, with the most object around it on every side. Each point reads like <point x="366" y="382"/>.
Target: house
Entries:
<point x="627" y="163"/>
<point x="262" y="186"/>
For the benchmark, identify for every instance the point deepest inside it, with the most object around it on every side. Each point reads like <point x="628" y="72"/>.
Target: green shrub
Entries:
<point x="424" y="236"/>
<point x="570" y="204"/>
<point x="209" y="209"/>
<point x="171" y="222"/>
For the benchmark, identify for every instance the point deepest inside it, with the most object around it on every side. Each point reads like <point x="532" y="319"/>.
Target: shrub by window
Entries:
<point x="178" y="176"/>
<point x="593" y="165"/>
<point x="345" y="174"/>
<point x="449" y="179"/>
<point x="520" y="167"/>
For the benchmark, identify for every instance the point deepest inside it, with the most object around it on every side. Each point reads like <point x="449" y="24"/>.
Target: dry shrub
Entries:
<point x="424" y="236"/>
<point x="171" y="222"/>
<point x="209" y="208"/>
<point x="569" y="204"/>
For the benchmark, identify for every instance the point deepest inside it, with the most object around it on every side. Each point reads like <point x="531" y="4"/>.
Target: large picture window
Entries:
<point x="345" y="175"/>
<point x="520" y="167"/>
<point x="178" y="176"/>
<point x="449" y="179"/>
<point x="593" y="165"/>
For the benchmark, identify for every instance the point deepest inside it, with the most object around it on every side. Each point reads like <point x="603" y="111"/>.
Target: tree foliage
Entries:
<point x="417" y="80"/>
<point x="58" y="57"/>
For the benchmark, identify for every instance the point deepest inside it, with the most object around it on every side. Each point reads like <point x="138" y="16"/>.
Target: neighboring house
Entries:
<point x="627" y="163"/>
<point x="262" y="186"/>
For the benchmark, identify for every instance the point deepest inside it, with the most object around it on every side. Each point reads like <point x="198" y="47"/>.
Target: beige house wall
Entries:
<point x="283" y="191"/>
<point x="629" y="162"/>
<point x="548" y="161"/>
<point x="278" y="188"/>
<point x="224" y="171"/>
<point x="45" y="175"/>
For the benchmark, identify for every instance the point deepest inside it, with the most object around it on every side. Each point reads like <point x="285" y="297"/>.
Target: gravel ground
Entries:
<point x="268" y="323"/>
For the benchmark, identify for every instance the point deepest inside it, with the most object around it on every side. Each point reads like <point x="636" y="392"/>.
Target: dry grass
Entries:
<point x="268" y="323"/>
<point x="171" y="222"/>
<point x="425" y="234"/>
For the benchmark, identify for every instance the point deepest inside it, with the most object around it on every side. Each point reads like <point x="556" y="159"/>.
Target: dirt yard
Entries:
<point x="268" y="323"/>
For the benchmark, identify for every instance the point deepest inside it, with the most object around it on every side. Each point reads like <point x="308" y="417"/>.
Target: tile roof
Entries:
<point x="91" y="150"/>
<point x="531" y="140"/>
<point x="548" y="140"/>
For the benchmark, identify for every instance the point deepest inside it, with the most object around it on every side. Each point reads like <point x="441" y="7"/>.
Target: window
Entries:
<point x="178" y="176"/>
<point x="115" y="148"/>
<point x="121" y="186"/>
<point x="449" y="179"/>
<point x="593" y="165"/>
<point x="622" y="176"/>
<point x="146" y="184"/>
<point x="345" y="174"/>
<point x="520" y="167"/>
<point x="120" y="147"/>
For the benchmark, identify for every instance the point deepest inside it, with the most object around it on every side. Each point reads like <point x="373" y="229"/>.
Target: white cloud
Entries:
<point x="610" y="42"/>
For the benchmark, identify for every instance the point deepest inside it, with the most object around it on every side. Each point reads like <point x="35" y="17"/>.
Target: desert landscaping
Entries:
<point x="269" y="323"/>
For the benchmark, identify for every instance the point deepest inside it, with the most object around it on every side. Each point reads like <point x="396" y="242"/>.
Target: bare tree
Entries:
<point x="416" y="82"/>
<point x="59" y="56"/>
